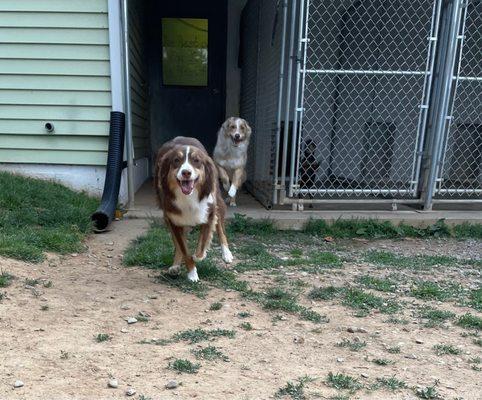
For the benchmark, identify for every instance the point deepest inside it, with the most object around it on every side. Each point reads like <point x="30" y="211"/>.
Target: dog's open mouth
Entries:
<point x="237" y="141"/>
<point x="187" y="185"/>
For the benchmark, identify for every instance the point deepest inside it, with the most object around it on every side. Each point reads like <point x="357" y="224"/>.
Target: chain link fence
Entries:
<point x="364" y="79"/>
<point x="461" y="163"/>
<point x="342" y="95"/>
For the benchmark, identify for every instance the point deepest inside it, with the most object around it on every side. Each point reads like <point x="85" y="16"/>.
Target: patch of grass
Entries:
<point x="209" y="353"/>
<point x="184" y="366"/>
<point x="428" y="290"/>
<point x="372" y="229"/>
<point x="45" y="307"/>
<point x="241" y="224"/>
<point x="326" y="293"/>
<point x="38" y="216"/>
<point x="478" y="342"/>
<point x="216" y="306"/>
<point x="5" y="279"/>
<point x="103" y="337"/>
<point x="262" y="260"/>
<point x="152" y="250"/>
<point x="414" y="262"/>
<point x="353" y="345"/>
<point x="48" y="284"/>
<point x="296" y="252"/>
<point x="343" y="382"/>
<point x="324" y="259"/>
<point x="470" y="321"/>
<point x="394" y="350"/>
<point x="244" y="314"/>
<point x="366" y="302"/>
<point x="382" y="285"/>
<point x="64" y="355"/>
<point x="382" y="361"/>
<point x="198" y="335"/>
<point x="475" y="299"/>
<point x="294" y="390"/>
<point x="468" y="231"/>
<point x="340" y="397"/>
<point x="31" y="282"/>
<point x="475" y="360"/>
<point x="246" y="326"/>
<point x="444" y="349"/>
<point x="435" y="317"/>
<point x="428" y="392"/>
<point x="391" y="383"/>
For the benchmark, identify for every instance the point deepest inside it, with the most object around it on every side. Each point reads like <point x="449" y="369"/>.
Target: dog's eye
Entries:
<point x="177" y="160"/>
<point x="233" y="127"/>
<point x="196" y="160"/>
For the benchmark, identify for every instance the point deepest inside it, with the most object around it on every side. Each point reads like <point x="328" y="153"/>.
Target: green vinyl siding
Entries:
<point x="138" y="77"/>
<point x="54" y="67"/>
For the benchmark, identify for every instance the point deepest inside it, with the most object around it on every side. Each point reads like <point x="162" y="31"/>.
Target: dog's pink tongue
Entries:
<point x="187" y="186"/>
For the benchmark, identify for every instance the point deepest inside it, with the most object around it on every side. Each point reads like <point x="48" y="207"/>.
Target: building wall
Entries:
<point x="54" y="67"/>
<point x="139" y="78"/>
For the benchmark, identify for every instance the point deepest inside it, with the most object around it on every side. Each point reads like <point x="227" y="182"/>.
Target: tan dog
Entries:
<point x="231" y="154"/>
<point x="186" y="182"/>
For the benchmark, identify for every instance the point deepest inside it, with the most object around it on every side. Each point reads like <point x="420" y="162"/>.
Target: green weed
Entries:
<point x="444" y="349"/>
<point x="353" y="345"/>
<point x="382" y="361"/>
<point x="5" y="279"/>
<point x="366" y="302"/>
<point x="326" y="293"/>
<point x="295" y="390"/>
<point x="343" y="382"/>
<point x="198" y="335"/>
<point x="216" y="306"/>
<point x="470" y="321"/>
<point x="246" y="326"/>
<point x="103" y="337"/>
<point x="391" y="383"/>
<point x="209" y="353"/>
<point x="435" y="317"/>
<point x="184" y="366"/>
<point x="382" y="285"/>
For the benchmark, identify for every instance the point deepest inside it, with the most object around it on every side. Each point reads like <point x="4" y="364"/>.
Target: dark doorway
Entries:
<point x="187" y="63"/>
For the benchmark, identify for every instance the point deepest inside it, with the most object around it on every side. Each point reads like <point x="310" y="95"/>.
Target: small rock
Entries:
<point x="18" y="384"/>
<point x="124" y="307"/>
<point x="340" y="359"/>
<point x="113" y="384"/>
<point x="419" y="341"/>
<point x="131" y="320"/>
<point x="364" y="375"/>
<point x="124" y="330"/>
<point x="411" y="356"/>
<point x="74" y="254"/>
<point x="153" y="296"/>
<point x="130" y="391"/>
<point x="110" y="243"/>
<point x="172" y="384"/>
<point x="354" y="329"/>
<point x="328" y="239"/>
<point x="299" y="340"/>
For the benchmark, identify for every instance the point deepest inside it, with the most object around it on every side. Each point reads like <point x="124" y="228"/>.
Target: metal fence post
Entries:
<point x="440" y="110"/>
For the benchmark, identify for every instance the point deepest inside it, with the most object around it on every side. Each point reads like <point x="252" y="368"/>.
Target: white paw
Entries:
<point x="232" y="203"/>
<point x="174" y="270"/>
<point x="227" y="255"/>
<point x="232" y="191"/>
<point x="192" y="275"/>
<point x="200" y="258"/>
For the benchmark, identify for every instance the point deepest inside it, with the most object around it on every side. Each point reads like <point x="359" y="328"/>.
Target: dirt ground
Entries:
<point x="47" y="333"/>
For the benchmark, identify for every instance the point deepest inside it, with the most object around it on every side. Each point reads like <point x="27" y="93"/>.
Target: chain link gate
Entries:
<point x="363" y="81"/>
<point x="460" y="172"/>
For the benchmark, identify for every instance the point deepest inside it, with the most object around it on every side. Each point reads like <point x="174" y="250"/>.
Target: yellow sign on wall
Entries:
<point x="185" y="51"/>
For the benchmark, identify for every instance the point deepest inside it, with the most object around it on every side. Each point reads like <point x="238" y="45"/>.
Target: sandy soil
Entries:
<point x="55" y="354"/>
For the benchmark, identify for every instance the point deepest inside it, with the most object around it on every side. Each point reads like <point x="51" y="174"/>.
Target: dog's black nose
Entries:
<point x="186" y="173"/>
<point x="237" y="136"/>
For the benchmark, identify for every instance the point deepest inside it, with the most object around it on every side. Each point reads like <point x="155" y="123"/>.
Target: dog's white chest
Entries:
<point x="193" y="211"/>
<point x="234" y="157"/>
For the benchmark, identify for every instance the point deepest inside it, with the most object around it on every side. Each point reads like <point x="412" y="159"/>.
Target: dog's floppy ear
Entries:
<point x="248" y="128"/>
<point x="210" y="178"/>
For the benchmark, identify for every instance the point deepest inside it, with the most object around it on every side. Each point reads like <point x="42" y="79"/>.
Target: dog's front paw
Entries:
<point x="174" y="270"/>
<point x="227" y="255"/>
<point x="192" y="275"/>
<point x="232" y="191"/>
<point x="232" y="203"/>
<point x="199" y="257"/>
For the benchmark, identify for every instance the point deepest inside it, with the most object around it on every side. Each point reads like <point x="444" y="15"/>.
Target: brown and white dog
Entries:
<point x="187" y="187"/>
<point x="231" y="154"/>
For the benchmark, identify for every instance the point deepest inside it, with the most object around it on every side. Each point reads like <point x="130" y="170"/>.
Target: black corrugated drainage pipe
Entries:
<point x="105" y="213"/>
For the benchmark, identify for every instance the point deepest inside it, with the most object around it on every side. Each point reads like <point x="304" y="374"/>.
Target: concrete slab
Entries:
<point x="146" y="208"/>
